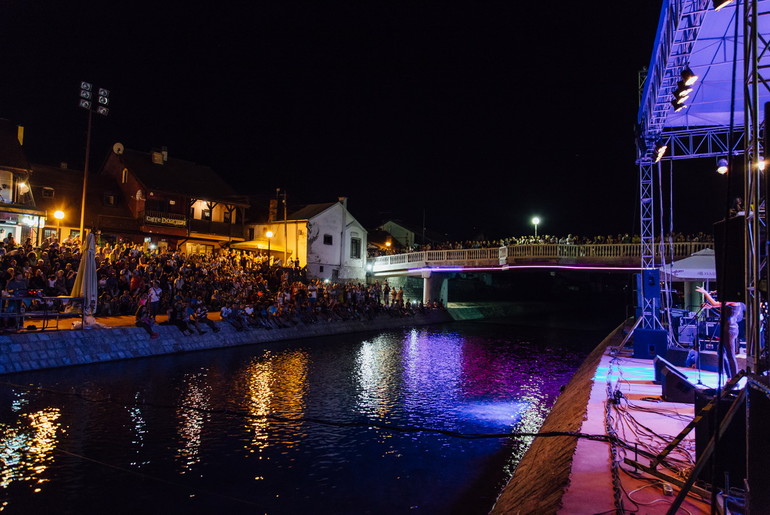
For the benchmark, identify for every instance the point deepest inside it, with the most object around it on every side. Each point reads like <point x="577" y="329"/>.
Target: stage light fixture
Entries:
<point x="718" y="4"/>
<point x="682" y="90"/>
<point x="677" y="105"/>
<point x="722" y="166"/>
<point x="660" y="150"/>
<point x="688" y="77"/>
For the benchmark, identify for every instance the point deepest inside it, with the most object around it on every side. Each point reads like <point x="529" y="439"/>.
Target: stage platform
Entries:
<point x="588" y="475"/>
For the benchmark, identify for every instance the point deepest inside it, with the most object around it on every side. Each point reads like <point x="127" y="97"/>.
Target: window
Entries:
<point x="110" y="200"/>
<point x="48" y="192"/>
<point x="355" y="248"/>
<point x="124" y="176"/>
<point x="206" y="215"/>
<point x="328" y="239"/>
<point x="226" y="217"/>
<point x="251" y="233"/>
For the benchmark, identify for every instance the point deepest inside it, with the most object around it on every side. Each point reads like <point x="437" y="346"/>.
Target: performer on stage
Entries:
<point x="733" y="313"/>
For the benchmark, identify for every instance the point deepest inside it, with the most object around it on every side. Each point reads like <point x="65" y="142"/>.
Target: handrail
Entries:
<point x="540" y="251"/>
<point x="44" y="308"/>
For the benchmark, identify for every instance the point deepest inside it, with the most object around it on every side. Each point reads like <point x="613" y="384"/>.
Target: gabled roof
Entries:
<point x="11" y="153"/>
<point x="177" y="176"/>
<point x="311" y="210"/>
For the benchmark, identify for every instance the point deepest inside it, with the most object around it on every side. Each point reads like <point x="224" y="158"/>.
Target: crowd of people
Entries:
<point x="546" y="239"/>
<point x="248" y="290"/>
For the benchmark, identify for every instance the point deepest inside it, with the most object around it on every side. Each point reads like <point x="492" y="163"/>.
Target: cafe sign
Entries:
<point x="164" y="220"/>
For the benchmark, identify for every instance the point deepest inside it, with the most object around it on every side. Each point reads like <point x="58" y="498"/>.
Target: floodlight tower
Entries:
<point x="102" y="100"/>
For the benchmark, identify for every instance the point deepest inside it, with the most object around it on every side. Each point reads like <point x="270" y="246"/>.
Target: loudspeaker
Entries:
<point x="675" y="386"/>
<point x="729" y="238"/>
<point x="731" y="448"/>
<point x="687" y="332"/>
<point x="758" y="442"/>
<point x="649" y="343"/>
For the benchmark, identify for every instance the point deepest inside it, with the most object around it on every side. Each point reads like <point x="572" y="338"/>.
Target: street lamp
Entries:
<point x="59" y="215"/>
<point x="535" y="222"/>
<point x="102" y="100"/>
<point x="269" y="235"/>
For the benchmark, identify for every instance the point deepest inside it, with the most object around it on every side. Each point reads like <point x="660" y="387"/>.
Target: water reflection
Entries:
<point x="192" y="415"/>
<point x="27" y="446"/>
<point x="171" y="427"/>
<point x="274" y="384"/>
<point x="139" y="429"/>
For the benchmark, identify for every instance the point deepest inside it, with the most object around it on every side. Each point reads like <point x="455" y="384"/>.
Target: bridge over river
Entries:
<point x="433" y="266"/>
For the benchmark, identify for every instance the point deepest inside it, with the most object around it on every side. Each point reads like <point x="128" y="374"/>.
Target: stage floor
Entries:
<point x="642" y="419"/>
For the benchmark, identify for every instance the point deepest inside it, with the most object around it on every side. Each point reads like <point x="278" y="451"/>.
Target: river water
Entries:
<point x="364" y="423"/>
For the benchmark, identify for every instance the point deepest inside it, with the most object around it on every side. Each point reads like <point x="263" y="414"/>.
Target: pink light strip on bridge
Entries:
<point x="518" y="267"/>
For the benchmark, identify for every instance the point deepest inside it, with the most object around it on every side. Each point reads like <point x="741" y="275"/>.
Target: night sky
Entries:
<point x="475" y="116"/>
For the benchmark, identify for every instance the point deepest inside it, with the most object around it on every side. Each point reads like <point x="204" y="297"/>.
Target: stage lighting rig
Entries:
<point x="718" y="4"/>
<point x="722" y="166"/>
<point x="688" y="77"/>
<point x="660" y="149"/>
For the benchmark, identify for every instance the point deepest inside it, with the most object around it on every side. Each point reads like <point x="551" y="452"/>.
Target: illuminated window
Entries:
<point x="206" y="215"/>
<point x="124" y="176"/>
<point x="110" y="200"/>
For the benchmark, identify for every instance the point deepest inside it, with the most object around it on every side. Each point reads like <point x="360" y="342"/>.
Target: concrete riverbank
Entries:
<point x="120" y="339"/>
<point x="37" y="350"/>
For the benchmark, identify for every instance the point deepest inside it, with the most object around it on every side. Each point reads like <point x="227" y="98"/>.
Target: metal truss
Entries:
<point x="703" y="142"/>
<point x="681" y="23"/>
<point x="756" y="54"/>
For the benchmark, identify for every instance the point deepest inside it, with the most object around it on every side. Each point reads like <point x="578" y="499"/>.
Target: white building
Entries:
<point x="324" y="237"/>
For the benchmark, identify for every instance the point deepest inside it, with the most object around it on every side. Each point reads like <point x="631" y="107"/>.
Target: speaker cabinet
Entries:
<point x="675" y="387"/>
<point x="649" y="343"/>
<point x="731" y="448"/>
<point x="758" y="441"/>
<point x="729" y="257"/>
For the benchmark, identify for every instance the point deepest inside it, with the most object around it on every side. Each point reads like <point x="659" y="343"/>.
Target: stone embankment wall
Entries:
<point x="41" y="350"/>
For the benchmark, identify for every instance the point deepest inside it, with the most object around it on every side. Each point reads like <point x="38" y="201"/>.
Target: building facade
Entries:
<point x="325" y="238"/>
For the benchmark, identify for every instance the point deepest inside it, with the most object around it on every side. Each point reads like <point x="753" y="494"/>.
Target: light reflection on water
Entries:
<point x="277" y="428"/>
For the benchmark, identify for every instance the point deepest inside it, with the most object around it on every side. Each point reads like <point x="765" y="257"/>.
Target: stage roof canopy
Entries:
<point x="692" y="35"/>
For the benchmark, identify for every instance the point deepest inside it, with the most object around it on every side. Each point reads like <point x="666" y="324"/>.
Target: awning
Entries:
<point x="257" y="245"/>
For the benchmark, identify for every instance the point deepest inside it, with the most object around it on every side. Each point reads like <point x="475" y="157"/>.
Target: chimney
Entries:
<point x="164" y="151"/>
<point x="63" y="165"/>
<point x="157" y="157"/>
<point x="344" y="202"/>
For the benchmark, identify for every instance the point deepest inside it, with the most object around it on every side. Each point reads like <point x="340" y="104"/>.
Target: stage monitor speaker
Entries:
<point x="675" y="385"/>
<point x="731" y="448"/>
<point x="758" y="442"/>
<point x="649" y="343"/>
<point x="729" y="258"/>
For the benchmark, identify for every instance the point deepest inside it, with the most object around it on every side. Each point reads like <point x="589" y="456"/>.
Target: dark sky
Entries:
<point x="477" y="114"/>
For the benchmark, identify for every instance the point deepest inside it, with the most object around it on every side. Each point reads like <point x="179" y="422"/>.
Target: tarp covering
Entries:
<point x="700" y="266"/>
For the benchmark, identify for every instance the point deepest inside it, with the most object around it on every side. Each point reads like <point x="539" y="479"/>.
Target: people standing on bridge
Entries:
<point x="732" y="313"/>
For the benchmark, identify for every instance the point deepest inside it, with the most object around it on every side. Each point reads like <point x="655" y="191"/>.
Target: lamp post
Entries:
<point x="59" y="215"/>
<point x="86" y="102"/>
<point x="269" y="235"/>
<point x="535" y="222"/>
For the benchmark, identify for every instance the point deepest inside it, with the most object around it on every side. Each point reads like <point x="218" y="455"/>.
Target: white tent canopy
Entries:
<point x="700" y="266"/>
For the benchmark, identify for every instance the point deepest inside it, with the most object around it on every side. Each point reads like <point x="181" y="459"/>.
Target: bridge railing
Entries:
<point x="608" y="252"/>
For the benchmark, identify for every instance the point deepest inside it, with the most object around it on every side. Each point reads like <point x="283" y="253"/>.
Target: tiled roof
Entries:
<point x="178" y="176"/>
<point x="311" y="210"/>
